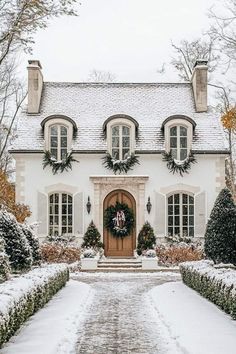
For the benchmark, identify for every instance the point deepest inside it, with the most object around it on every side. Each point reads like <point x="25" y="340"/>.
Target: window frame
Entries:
<point x="60" y="214"/>
<point x="181" y="214"/>
<point x="59" y="135"/>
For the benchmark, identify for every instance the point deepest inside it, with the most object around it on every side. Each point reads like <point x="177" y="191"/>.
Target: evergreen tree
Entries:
<point x="4" y="262"/>
<point x="146" y="238"/>
<point x="220" y="237"/>
<point x="92" y="237"/>
<point x="33" y="242"/>
<point x="16" y="244"/>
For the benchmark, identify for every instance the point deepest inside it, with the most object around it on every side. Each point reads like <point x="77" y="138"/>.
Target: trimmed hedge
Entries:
<point x="215" y="284"/>
<point x="22" y="297"/>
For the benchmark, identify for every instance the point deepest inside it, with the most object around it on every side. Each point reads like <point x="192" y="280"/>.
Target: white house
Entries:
<point x="145" y="119"/>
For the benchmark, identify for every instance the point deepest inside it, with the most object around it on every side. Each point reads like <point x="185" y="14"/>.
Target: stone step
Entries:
<point x="119" y="265"/>
<point x="131" y="270"/>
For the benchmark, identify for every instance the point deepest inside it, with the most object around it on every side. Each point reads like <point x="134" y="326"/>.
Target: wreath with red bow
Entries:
<point x="119" y="219"/>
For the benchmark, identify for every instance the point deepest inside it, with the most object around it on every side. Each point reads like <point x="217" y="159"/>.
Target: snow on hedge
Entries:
<point x="217" y="284"/>
<point x="21" y="297"/>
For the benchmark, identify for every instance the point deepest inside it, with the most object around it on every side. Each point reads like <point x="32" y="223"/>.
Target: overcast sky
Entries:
<point x="129" y="38"/>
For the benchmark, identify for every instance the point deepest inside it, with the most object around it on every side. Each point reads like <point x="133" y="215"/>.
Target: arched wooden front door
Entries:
<point x="119" y="247"/>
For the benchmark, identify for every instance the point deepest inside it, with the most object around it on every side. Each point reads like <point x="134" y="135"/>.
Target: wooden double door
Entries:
<point x="116" y="246"/>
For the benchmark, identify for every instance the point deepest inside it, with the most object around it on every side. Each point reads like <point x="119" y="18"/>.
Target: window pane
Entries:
<point x="56" y="208"/>
<point x="185" y="209"/>
<point x="170" y="231"/>
<point x="69" y="209"/>
<point x="170" y="199"/>
<point x="125" y="142"/>
<point x="191" y="210"/>
<point x="170" y="210"/>
<point x="63" y="141"/>
<point x="125" y="154"/>
<point x="63" y="153"/>
<point x="51" y="198"/>
<point x="176" y="209"/>
<point x="125" y="130"/>
<point x="185" y="199"/>
<point x="183" y="154"/>
<point x="64" y="208"/>
<point x="173" y="142"/>
<point x="183" y="131"/>
<point x="51" y="220"/>
<point x="63" y="230"/>
<point x="115" y="142"/>
<point x="173" y="131"/>
<point x="70" y="230"/>
<point x="185" y="220"/>
<point x="174" y="153"/>
<point x="69" y="199"/>
<point x="56" y="196"/>
<point x="176" y="198"/>
<point x="54" y="153"/>
<point x="183" y="142"/>
<point x="177" y="221"/>
<point x="63" y="130"/>
<point x="170" y="220"/>
<point x="56" y="220"/>
<point x="54" y="142"/>
<point x="64" y="198"/>
<point x="177" y="231"/>
<point x="64" y="220"/>
<point x="115" y="131"/>
<point x="191" y="231"/>
<point x="185" y="231"/>
<point x="53" y="130"/>
<point x="191" y="200"/>
<point x="191" y="221"/>
<point x="115" y="154"/>
<point x="70" y="220"/>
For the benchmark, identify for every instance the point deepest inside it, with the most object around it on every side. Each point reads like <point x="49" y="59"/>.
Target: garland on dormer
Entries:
<point x="120" y="165"/>
<point x="176" y="166"/>
<point x="58" y="165"/>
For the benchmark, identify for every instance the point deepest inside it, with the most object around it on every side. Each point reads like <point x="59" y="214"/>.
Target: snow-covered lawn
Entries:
<point x="53" y="330"/>
<point x="197" y="326"/>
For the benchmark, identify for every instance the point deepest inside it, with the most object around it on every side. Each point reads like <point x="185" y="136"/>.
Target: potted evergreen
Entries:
<point x="91" y="248"/>
<point x="146" y="247"/>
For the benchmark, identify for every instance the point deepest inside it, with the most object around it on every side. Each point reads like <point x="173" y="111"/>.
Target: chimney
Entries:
<point x="199" y="83"/>
<point x="35" y="85"/>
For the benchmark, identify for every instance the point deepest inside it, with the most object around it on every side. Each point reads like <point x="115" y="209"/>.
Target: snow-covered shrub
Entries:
<point x="146" y="238"/>
<point x="22" y="297"/>
<point x="150" y="254"/>
<point x="16" y="245"/>
<point x="60" y="252"/>
<point x="4" y="262"/>
<point x="89" y="253"/>
<point x="220" y="237"/>
<point x="176" y="239"/>
<point x="33" y="242"/>
<point x="92" y="237"/>
<point x="217" y="285"/>
<point x="173" y="254"/>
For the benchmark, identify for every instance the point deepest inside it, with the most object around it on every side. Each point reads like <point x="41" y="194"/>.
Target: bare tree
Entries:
<point x="186" y="54"/>
<point x="101" y="76"/>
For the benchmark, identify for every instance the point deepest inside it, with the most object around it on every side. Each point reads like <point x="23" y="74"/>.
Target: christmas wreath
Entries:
<point x="176" y="166"/>
<point x="119" y="219"/>
<point x="62" y="165"/>
<point x="120" y="165"/>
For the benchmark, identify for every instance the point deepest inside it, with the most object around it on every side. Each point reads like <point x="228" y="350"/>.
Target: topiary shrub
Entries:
<point x="146" y="238"/>
<point x="16" y="244"/>
<point x="4" y="262"/>
<point x="33" y="242"/>
<point x="92" y="237"/>
<point x="220" y="236"/>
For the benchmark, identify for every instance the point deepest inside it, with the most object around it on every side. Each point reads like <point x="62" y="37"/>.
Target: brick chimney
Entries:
<point x="35" y="85"/>
<point x="199" y="83"/>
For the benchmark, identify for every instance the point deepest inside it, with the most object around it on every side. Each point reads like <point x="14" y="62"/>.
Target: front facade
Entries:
<point x="125" y="120"/>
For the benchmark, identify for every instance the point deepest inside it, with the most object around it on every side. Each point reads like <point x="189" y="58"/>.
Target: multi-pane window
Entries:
<point x="179" y="142"/>
<point x="58" y="141"/>
<point x="181" y="215"/>
<point x="120" y="146"/>
<point x="60" y="214"/>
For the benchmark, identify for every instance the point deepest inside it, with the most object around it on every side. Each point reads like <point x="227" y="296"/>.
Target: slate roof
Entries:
<point x="90" y="104"/>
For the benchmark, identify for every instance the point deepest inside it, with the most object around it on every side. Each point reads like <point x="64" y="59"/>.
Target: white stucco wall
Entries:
<point x="206" y="175"/>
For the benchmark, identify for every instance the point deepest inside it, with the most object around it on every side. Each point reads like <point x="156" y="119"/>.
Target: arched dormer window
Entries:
<point x="120" y="131"/>
<point x="178" y="131"/>
<point x="58" y="134"/>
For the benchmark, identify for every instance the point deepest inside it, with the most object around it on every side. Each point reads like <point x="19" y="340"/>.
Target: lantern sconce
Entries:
<point x="149" y="205"/>
<point x="88" y="205"/>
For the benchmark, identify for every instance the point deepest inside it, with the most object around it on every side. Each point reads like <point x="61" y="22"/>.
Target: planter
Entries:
<point x="149" y="263"/>
<point x="89" y="263"/>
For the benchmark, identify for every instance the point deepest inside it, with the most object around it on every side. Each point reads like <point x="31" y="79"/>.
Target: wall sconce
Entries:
<point x="149" y="205"/>
<point x="88" y="205"/>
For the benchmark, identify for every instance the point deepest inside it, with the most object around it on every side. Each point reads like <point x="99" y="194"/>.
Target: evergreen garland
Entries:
<point x="110" y="215"/>
<point x="120" y="165"/>
<point x="176" y="166"/>
<point x="58" y="166"/>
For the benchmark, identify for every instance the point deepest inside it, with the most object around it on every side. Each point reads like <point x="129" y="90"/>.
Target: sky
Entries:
<point x="129" y="38"/>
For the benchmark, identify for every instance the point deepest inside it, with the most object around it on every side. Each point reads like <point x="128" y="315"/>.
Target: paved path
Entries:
<point x="120" y="320"/>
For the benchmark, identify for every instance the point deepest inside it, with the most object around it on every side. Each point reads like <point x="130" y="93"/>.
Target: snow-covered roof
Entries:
<point x="91" y="104"/>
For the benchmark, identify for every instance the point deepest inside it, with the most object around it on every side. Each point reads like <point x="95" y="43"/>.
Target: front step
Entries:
<point x="120" y="263"/>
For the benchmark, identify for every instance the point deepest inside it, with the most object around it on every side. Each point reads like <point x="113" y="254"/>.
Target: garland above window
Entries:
<point x="58" y="165"/>
<point x="120" y="165"/>
<point x="119" y="220"/>
<point x="177" y="166"/>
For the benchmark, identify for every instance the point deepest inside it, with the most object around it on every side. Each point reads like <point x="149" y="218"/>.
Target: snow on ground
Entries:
<point x="53" y="330"/>
<point x="197" y="325"/>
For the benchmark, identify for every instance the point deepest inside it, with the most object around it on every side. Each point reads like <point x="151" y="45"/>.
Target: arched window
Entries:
<point x="179" y="142"/>
<point x="120" y="146"/>
<point x="181" y="215"/>
<point x="60" y="214"/>
<point x="58" y="141"/>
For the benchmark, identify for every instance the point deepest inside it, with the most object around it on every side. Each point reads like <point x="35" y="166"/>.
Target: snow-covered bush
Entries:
<point x="16" y="245"/>
<point x="150" y="254"/>
<point x="22" y="297"/>
<point x="33" y="242"/>
<point x="216" y="284"/>
<point x="60" y="252"/>
<point x="89" y="253"/>
<point x="173" y="254"/>
<point x="220" y="237"/>
<point x="4" y="262"/>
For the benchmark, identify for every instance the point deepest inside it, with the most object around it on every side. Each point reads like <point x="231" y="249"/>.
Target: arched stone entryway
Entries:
<point x="117" y="246"/>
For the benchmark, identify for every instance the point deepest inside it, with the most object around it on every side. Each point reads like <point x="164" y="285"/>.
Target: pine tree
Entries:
<point x="92" y="237"/>
<point x="220" y="237"/>
<point x="16" y="244"/>
<point x="4" y="262"/>
<point x="33" y="242"/>
<point x="146" y="238"/>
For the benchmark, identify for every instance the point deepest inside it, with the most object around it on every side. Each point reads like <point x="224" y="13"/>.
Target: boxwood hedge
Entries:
<point x="216" y="284"/>
<point x="22" y="297"/>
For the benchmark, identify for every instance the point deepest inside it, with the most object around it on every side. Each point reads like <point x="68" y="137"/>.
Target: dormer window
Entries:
<point x="58" y="141"/>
